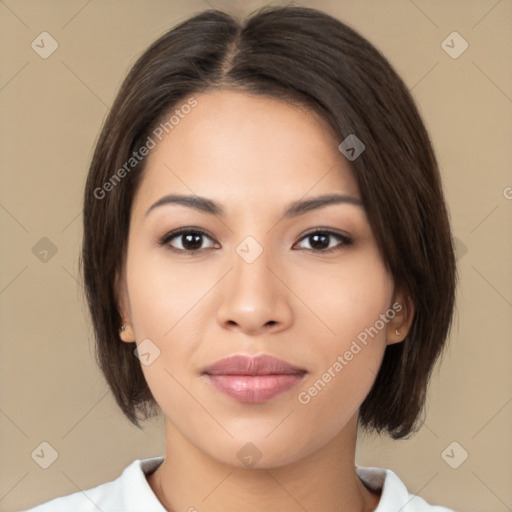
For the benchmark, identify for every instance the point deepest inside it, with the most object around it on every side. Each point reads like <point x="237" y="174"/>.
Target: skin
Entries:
<point x="254" y="155"/>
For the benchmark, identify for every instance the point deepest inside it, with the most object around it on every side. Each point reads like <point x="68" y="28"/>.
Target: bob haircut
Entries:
<point x="305" y="57"/>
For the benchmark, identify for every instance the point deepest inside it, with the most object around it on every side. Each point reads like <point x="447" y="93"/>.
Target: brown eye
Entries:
<point x="186" y="240"/>
<point x="322" y="241"/>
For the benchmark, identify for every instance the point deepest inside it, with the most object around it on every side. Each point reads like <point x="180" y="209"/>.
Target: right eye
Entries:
<point x="188" y="240"/>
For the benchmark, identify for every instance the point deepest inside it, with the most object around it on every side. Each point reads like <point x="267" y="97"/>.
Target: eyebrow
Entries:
<point x="294" y="209"/>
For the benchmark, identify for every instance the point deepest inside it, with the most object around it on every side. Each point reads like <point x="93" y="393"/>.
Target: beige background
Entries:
<point x="52" y="110"/>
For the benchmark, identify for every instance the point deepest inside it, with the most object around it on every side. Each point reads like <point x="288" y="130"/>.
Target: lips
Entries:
<point x="253" y="379"/>
<point x="246" y="365"/>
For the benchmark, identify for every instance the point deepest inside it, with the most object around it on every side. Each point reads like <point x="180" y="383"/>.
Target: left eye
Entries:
<point x="320" y="241"/>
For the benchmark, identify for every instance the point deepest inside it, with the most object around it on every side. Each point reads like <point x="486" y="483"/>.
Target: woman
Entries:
<point x="268" y="259"/>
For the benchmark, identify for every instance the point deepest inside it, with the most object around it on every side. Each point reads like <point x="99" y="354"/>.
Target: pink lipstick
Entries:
<point x="253" y="379"/>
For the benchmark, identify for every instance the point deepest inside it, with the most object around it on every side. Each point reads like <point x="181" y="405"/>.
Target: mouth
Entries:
<point x="253" y="379"/>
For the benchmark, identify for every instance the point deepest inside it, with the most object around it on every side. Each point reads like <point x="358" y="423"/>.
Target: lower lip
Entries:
<point x="254" y="389"/>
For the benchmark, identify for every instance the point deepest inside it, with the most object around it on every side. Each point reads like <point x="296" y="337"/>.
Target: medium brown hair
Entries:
<point x="306" y="57"/>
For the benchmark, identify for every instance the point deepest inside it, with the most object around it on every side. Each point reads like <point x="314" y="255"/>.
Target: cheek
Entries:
<point x="165" y="304"/>
<point x="344" y="300"/>
<point x="164" y="297"/>
<point x="349" y="341"/>
<point x="344" y="370"/>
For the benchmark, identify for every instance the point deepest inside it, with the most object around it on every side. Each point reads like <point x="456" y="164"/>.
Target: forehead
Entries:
<point x="246" y="148"/>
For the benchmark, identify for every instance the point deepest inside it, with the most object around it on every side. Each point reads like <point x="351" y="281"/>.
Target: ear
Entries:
<point x="123" y="304"/>
<point x="400" y="324"/>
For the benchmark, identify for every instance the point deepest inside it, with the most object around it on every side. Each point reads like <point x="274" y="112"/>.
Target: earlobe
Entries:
<point x="400" y="324"/>
<point x="125" y="330"/>
<point x="126" y="333"/>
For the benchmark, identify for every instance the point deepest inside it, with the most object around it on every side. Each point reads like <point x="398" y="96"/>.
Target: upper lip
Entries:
<point x="248" y="365"/>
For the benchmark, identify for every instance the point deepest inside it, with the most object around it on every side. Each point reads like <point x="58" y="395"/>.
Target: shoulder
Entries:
<point x="129" y="492"/>
<point x="394" y="494"/>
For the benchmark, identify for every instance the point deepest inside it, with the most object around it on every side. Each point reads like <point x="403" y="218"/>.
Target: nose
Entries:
<point x="255" y="298"/>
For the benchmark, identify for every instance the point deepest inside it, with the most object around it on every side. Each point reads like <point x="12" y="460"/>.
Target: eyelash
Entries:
<point x="345" y="240"/>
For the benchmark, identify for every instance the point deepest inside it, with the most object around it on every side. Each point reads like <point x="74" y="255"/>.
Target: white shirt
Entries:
<point x="131" y="492"/>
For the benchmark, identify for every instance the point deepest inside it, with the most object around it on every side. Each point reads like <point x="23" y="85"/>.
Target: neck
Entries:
<point x="189" y="479"/>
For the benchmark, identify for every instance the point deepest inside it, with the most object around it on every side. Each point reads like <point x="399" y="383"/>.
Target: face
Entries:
<point x="307" y="286"/>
